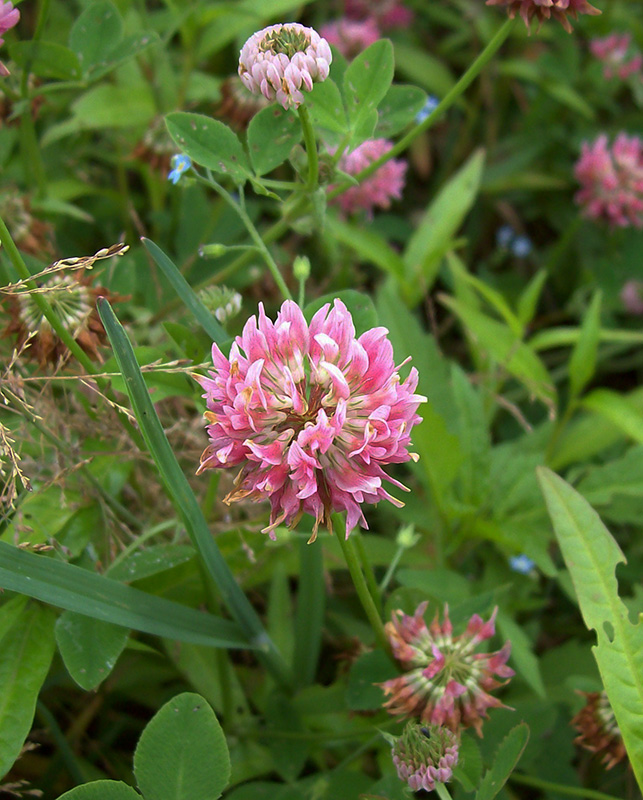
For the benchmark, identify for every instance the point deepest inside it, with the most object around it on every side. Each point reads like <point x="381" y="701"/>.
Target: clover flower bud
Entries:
<point x="223" y="303"/>
<point x="444" y="681"/>
<point x="425" y="755"/>
<point x="283" y="61"/>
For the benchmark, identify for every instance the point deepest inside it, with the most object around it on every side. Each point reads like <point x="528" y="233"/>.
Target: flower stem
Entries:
<point x="254" y="233"/>
<point x="443" y="792"/>
<point x="311" y="148"/>
<point x="447" y="101"/>
<point x="368" y="571"/>
<point x="559" y="788"/>
<point x="361" y="587"/>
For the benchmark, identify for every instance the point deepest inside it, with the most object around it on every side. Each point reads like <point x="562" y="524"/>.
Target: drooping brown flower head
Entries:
<point x="238" y="106"/>
<point x="444" y="681"/>
<point x="561" y="10"/>
<point x="598" y="729"/>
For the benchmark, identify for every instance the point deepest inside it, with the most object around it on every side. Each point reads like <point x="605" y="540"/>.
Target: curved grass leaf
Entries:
<point x="182" y="496"/>
<point x="592" y="555"/>
<point x="182" y="753"/>
<point x="75" y="589"/>
<point x="185" y="292"/>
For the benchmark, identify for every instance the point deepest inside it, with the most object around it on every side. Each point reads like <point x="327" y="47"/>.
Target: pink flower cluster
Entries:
<point x="282" y="61"/>
<point x="9" y="17"/>
<point x="445" y="682"/>
<point x="618" y="60"/>
<point x="544" y="9"/>
<point x="611" y="180"/>
<point x="632" y="297"/>
<point x="376" y="191"/>
<point x="387" y="14"/>
<point x="311" y="413"/>
<point x="351" y="36"/>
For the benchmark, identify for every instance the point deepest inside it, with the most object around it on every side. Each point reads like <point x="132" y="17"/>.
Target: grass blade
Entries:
<point x="201" y="314"/>
<point x="185" y="502"/>
<point x="76" y="589"/>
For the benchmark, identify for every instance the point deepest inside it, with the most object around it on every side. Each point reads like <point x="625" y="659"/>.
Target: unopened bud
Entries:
<point x="301" y="268"/>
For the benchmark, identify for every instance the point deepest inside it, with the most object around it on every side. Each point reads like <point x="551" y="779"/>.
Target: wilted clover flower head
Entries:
<point x="598" y="729"/>
<point x="376" y="191"/>
<point x="611" y="180"/>
<point x="311" y="413"/>
<point x="425" y="755"/>
<point x="544" y="9"/>
<point x="445" y="681"/>
<point x="619" y="61"/>
<point x="282" y="61"/>
<point x="9" y="17"/>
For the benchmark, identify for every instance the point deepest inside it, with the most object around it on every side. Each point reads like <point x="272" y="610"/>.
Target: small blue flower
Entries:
<point x="522" y="564"/>
<point x="521" y="246"/>
<point x="505" y="236"/>
<point x="429" y="107"/>
<point x="179" y="164"/>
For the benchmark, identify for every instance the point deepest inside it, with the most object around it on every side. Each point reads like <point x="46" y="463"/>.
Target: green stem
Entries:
<point x="447" y="101"/>
<point x="74" y="767"/>
<point x="443" y="792"/>
<point x="368" y="570"/>
<point x="559" y="788"/>
<point x="361" y="587"/>
<point x="254" y="235"/>
<point x="311" y="148"/>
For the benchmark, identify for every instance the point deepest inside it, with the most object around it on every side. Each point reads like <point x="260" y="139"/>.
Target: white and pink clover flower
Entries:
<point x="611" y="180"/>
<point x="619" y="61"/>
<point x="311" y="413"/>
<point x="378" y="190"/>
<point x="283" y="61"/>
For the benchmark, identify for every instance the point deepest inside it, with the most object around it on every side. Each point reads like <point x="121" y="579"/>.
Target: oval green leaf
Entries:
<point x="101" y="790"/>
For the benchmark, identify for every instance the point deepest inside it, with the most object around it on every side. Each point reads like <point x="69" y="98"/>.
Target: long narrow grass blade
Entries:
<point x="310" y="613"/>
<point x="76" y="589"/>
<point x="185" y="502"/>
<point x="183" y="289"/>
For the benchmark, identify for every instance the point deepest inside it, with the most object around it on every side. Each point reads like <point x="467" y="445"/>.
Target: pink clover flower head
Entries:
<point x="425" y="755"/>
<point x="561" y="10"/>
<point x="613" y="51"/>
<point x="632" y="297"/>
<point x="351" y="36"/>
<point x="283" y="61"/>
<point x="445" y="682"/>
<point x="387" y="14"/>
<point x="311" y="414"/>
<point x="9" y="17"/>
<point x="611" y="180"/>
<point x="377" y="191"/>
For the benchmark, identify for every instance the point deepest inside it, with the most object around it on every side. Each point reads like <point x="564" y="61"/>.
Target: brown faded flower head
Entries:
<point x="598" y="730"/>
<point x="541" y="10"/>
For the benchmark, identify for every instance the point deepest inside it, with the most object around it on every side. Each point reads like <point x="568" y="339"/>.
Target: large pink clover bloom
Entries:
<point x="283" y="61"/>
<point x="611" y="180"/>
<point x="311" y="413"/>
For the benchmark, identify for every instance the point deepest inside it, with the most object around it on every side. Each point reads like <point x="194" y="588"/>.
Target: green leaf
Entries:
<point x="528" y="300"/>
<point x="26" y="650"/>
<point x="75" y="589"/>
<point x="362" y="694"/>
<point x="186" y="293"/>
<point x="47" y="60"/>
<point x="507" y="350"/>
<point x="618" y="410"/>
<point x="127" y="48"/>
<point x="505" y="760"/>
<point x="89" y="647"/>
<point x="522" y="655"/>
<point x="150" y="561"/>
<point x="437" y="227"/>
<point x="210" y="143"/>
<point x="309" y="620"/>
<point x="360" y="306"/>
<point x="369" y="245"/>
<point x="424" y="69"/>
<point x="326" y="108"/>
<point x="592" y="555"/>
<point x="182" y="753"/>
<point x="288" y="758"/>
<point x="469" y="768"/>
<point x="366" y="81"/>
<point x="95" y="33"/>
<point x="623" y="476"/>
<point x="272" y="133"/>
<point x="398" y="109"/>
<point x="101" y="790"/>
<point x="582" y="362"/>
